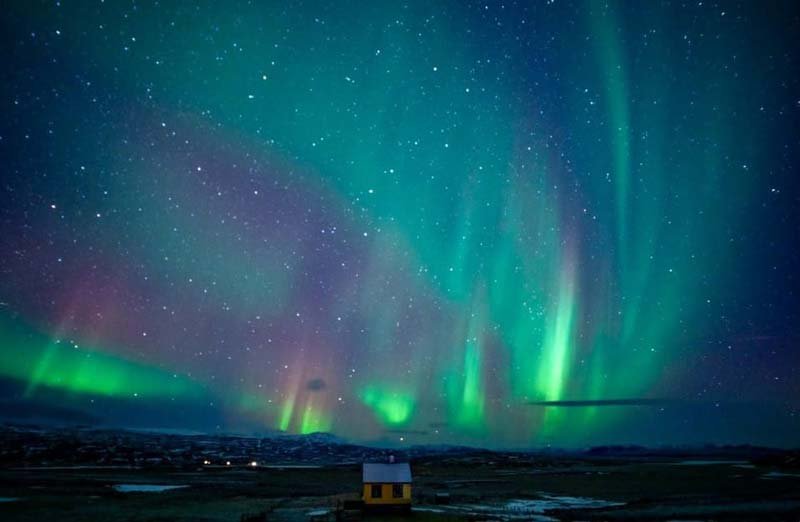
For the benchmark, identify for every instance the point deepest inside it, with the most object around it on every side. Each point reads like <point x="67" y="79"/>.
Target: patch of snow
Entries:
<point x="51" y="468"/>
<point x="145" y="488"/>
<point x="553" y="502"/>
<point x="708" y="462"/>
<point x="521" y="509"/>
<point x="779" y="474"/>
<point x="292" y="466"/>
<point x="428" y="509"/>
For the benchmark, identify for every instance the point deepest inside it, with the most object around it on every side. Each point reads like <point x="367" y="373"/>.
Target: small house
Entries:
<point x="387" y="485"/>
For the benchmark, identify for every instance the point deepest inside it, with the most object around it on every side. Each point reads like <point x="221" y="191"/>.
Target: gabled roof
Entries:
<point x="387" y="473"/>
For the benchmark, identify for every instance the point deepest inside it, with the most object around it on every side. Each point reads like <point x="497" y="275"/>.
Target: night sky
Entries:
<point x="502" y="224"/>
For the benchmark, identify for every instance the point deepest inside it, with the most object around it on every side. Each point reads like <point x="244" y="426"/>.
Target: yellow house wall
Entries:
<point x="386" y="495"/>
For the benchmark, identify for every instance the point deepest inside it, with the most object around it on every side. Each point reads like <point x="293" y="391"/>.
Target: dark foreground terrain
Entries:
<point x="598" y="485"/>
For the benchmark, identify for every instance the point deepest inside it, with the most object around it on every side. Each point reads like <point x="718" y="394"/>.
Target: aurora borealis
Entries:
<point x="501" y="224"/>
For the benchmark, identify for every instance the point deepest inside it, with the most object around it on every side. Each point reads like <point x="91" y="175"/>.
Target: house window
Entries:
<point x="397" y="491"/>
<point x="375" y="491"/>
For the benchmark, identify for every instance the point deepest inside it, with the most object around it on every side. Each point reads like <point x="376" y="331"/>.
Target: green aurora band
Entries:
<point x="62" y="364"/>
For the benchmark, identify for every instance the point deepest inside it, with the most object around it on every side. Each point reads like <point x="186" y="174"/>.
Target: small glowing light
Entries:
<point x="206" y="462"/>
<point x="254" y="464"/>
<point x="227" y="462"/>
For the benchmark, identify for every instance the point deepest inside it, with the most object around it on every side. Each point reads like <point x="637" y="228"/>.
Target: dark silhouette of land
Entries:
<point x="90" y="474"/>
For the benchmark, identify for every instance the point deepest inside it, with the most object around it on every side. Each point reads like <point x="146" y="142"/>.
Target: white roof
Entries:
<point x="387" y="473"/>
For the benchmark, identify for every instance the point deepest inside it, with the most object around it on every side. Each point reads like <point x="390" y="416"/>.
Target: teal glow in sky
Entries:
<point x="500" y="224"/>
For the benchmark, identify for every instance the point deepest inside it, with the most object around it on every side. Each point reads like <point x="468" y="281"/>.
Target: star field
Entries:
<point x="502" y="224"/>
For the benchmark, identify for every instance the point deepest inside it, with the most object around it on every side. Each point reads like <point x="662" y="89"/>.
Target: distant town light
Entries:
<point x="254" y="464"/>
<point x="227" y="462"/>
<point x="206" y="462"/>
